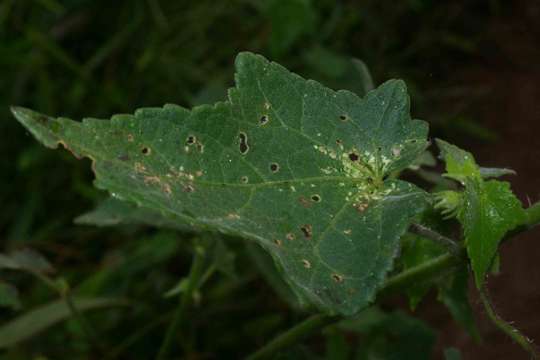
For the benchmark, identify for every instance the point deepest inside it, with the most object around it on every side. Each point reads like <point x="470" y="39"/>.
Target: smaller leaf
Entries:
<point x="415" y="251"/>
<point x="460" y="164"/>
<point x="454" y="294"/>
<point x="424" y="159"/>
<point x="490" y="210"/>
<point x="486" y="172"/>
<point x="118" y="212"/>
<point x="448" y="202"/>
<point x="393" y="335"/>
<point x="26" y="260"/>
<point x="33" y="322"/>
<point x="9" y="296"/>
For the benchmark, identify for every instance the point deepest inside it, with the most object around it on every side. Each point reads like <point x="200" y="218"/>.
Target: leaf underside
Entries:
<point x="284" y="161"/>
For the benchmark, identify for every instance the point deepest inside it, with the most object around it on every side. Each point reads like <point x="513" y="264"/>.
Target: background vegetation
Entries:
<point x="469" y="67"/>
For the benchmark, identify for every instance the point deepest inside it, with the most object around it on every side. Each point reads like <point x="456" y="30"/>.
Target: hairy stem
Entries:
<point x="307" y="327"/>
<point x="505" y="327"/>
<point x="185" y="299"/>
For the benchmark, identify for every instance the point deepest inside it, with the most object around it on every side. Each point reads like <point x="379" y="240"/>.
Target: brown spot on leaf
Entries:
<point x="290" y="236"/>
<point x="188" y="188"/>
<point x="306" y="263"/>
<point x="305" y="202"/>
<point x="337" y="278"/>
<point x="307" y="230"/>
<point x="360" y="207"/>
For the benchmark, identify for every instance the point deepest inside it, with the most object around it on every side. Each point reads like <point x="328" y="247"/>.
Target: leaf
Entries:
<point x="272" y="275"/>
<point x="460" y="164"/>
<point x="490" y="210"/>
<point x="287" y="162"/>
<point x="415" y="251"/>
<point x="26" y="260"/>
<point x="9" y="296"/>
<point x="453" y="292"/>
<point x="486" y="172"/>
<point x="33" y="322"/>
<point x="391" y="336"/>
<point x="117" y="212"/>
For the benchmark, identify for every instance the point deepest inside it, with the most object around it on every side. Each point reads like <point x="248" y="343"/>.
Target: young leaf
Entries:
<point x="486" y="172"/>
<point x="490" y="210"/>
<point x="287" y="162"/>
<point x="460" y="164"/>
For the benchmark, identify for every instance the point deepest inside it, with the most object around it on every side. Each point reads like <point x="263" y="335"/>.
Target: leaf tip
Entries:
<point x="41" y="126"/>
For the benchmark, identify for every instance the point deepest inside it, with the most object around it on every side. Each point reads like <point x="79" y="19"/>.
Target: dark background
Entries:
<point x="472" y="68"/>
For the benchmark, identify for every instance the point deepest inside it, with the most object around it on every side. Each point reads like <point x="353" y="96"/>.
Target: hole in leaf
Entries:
<point x="244" y="179"/>
<point x="264" y="120"/>
<point x="316" y="197"/>
<point x="274" y="167"/>
<point x="353" y="156"/>
<point x="306" y="263"/>
<point x="146" y="151"/>
<point x="290" y="236"/>
<point x="338" y="141"/>
<point x="337" y="278"/>
<point x="307" y="230"/>
<point x="343" y="117"/>
<point x="191" y="140"/>
<point x="244" y="147"/>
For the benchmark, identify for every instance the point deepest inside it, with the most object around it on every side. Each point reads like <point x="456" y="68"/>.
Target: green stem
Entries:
<point x="186" y="297"/>
<point x="505" y="327"/>
<point x="310" y="325"/>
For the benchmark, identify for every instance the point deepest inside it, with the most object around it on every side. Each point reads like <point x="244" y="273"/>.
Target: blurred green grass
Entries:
<point x="87" y="58"/>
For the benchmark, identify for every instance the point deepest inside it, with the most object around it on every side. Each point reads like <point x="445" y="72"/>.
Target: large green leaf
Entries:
<point x="287" y="162"/>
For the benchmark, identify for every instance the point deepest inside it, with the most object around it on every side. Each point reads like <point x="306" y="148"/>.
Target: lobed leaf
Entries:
<point x="295" y="166"/>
